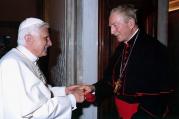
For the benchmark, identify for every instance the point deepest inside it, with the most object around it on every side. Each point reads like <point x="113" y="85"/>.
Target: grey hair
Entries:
<point x="29" y="29"/>
<point x="128" y="10"/>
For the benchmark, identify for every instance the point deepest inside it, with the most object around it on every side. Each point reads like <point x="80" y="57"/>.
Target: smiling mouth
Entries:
<point x="117" y="34"/>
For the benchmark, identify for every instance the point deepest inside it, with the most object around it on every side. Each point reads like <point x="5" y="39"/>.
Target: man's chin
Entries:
<point x="43" y="54"/>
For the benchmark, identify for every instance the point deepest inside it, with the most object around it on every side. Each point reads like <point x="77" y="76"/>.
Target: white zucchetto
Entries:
<point x="28" y="22"/>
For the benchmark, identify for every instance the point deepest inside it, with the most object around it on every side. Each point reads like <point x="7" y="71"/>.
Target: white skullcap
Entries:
<point x="28" y="22"/>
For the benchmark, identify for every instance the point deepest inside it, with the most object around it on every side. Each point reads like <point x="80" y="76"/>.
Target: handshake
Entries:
<point x="82" y="92"/>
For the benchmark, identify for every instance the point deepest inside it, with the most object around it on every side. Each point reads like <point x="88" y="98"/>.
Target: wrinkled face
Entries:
<point x="39" y="42"/>
<point x="120" y="27"/>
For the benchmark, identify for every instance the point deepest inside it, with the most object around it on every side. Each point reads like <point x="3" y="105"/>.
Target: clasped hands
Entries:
<point x="81" y="92"/>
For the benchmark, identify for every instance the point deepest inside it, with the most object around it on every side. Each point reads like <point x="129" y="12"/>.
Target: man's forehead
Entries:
<point x="116" y="18"/>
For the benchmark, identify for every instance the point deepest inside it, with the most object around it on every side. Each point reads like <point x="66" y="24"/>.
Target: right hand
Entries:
<point x="77" y="92"/>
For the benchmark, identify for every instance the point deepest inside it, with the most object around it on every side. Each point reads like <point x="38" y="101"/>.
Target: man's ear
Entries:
<point x="28" y="39"/>
<point x="131" y="23"/>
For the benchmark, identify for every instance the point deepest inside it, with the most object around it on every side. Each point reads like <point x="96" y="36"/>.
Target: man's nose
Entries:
<point x="49" y="42"/>
<point x="112" y="30"/>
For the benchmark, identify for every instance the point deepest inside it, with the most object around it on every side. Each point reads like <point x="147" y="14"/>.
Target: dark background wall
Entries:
<point x="16" y="10"/>
<point x="173" y="45"/>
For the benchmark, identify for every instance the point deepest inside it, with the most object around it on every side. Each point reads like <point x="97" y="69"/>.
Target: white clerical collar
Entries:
<point x="27" y="53"/>
<point x="132" y="36"/>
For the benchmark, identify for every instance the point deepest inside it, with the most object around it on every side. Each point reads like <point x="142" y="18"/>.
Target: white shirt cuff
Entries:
<point x="73" y="101"/>
<point x="58" y="91"/>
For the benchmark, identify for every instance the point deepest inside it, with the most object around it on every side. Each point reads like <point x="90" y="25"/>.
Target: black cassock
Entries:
<point x="145" y="77"/>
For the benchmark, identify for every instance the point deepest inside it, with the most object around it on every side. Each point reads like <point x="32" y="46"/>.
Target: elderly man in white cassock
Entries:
<point x="24" y="92"/>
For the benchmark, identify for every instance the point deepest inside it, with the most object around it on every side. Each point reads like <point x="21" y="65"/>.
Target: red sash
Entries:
<point x="125" y="110"/>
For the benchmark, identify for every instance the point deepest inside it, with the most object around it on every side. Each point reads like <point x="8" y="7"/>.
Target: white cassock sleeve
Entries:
<point x="60" y="91"/>
<point x="26" y="96"/>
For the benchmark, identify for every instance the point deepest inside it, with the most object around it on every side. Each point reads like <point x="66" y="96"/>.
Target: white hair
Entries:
<point x="128" y="10"/>
<point x="29" y="26"/>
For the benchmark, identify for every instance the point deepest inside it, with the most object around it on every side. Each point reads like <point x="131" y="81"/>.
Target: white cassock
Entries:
<point x="24" y="94"/>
